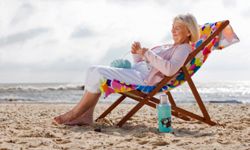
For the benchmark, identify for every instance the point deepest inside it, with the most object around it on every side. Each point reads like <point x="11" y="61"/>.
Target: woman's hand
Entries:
<point x="137" y="49"/>
<point x="141" y="51"/>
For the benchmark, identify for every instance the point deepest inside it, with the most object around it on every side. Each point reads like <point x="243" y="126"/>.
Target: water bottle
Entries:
<point x="164" y="115"/>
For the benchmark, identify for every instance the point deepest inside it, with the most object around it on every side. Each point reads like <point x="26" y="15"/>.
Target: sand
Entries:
<point x="29" y="126"/>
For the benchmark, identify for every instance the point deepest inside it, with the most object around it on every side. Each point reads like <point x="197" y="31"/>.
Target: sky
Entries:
<point x="57" y="40"/>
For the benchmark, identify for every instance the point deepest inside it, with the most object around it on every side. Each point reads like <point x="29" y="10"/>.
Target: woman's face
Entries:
<point x="180" y="33"/>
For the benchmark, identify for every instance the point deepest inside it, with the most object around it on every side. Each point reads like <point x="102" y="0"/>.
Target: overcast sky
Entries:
<point x="57" y="40"/>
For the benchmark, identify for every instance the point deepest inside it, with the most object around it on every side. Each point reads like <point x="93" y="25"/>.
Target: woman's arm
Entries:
<point x="168" y="67"/>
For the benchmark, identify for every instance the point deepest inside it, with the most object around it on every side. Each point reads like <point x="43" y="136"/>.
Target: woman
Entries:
<point x="149" y="69"/>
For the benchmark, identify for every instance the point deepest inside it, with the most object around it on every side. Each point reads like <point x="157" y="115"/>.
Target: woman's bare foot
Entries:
<point x="61" y="119"/>
<point x="68" y="118"/>
<point x="84" y="119"/>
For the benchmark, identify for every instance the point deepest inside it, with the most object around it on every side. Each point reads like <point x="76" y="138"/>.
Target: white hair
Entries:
<point x="191" y="23"/>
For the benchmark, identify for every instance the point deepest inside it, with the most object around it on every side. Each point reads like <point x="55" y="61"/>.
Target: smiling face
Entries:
<point x="180" y="33"/>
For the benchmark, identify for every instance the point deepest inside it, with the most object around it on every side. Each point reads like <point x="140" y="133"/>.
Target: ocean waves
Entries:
<point x="237" y="91"/>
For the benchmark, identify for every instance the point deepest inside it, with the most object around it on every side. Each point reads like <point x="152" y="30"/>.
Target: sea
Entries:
<point x="213" y="92"/>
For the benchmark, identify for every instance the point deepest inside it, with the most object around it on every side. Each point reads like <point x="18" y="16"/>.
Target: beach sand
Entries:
<point x="29" y="126"/>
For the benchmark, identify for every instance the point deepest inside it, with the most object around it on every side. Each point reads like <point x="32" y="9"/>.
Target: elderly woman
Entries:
<point x="150" y="67"/>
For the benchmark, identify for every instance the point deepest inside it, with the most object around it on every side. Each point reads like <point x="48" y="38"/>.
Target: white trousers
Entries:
<point x="95" y="74"/>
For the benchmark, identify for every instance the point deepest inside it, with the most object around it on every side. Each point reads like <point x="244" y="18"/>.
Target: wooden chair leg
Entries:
<point x="192" y="115"/>
<point x="179" y="115"/>
<point x="132" y="112"/>
<point x="149" y="103"/>
<point x="196" y="94"/>
<point x="171" y="99"/>
<point x="117" y="102"/>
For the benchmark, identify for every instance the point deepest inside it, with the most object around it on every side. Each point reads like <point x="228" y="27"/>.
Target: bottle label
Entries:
<point x="166" y="122"/>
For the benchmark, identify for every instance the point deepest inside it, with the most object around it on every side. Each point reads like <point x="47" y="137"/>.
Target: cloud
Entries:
<point x="114" y="53"/>
<point x="66" y="65"/>
<point x="126" y="2"/>
<point x="229" y="3"/>
<point x="171" y="5"/>
<point x="60" y="70"/>
<point x="59" y="65"/>
<point x="22" y="36"/>
<point x="23" y="13"/>
<point x="167" y="38"/>
<point x="82" y="32"/>
<point x="246" y="12"/>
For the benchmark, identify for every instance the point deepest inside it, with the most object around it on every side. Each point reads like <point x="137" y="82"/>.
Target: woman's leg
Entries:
<point x="88" y="101"/>
<point x="96" y="73"/>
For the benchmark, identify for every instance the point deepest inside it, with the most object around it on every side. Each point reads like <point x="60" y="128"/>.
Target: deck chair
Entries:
<point x="212" y="36"/>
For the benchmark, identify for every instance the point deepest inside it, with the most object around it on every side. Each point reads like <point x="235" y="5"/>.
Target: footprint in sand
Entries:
<point x="140" y="135"/>
<point x="159" y="143"/>
<point x="184" y="143"/>
<point x="61" y="141"/>
<point x="22" y="128"/>
<point x="237" y="127"/>
<point x="4" y="149"/>
<point x="175" y="140"/>
<point x="50" y="135"/>
<point x="34" y="144"/>
<point x="223" y="141"/>
<point x="3" y="119"/>
<point x="11" y="141"/>
<point x="22" y="142"/>
<point x="142" y="142"/>
<point x="128" y="139"/>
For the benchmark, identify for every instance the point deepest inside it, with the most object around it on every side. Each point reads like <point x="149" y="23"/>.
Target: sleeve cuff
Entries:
<point x="146" y="55"/>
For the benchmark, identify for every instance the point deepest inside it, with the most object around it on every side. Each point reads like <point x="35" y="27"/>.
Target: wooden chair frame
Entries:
<point x="150" y="100"/>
